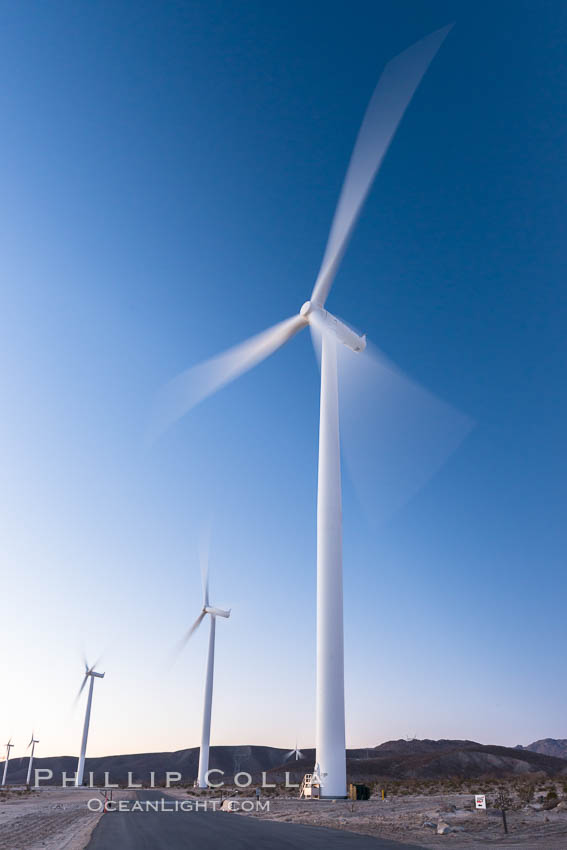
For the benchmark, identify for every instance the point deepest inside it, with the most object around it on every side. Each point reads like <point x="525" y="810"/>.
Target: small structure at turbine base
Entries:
<point x="358" y="791"/>
<point x="310" y="787"/>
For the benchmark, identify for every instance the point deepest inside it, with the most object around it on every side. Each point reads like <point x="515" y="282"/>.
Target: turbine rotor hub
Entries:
<point x="313" y="312"/>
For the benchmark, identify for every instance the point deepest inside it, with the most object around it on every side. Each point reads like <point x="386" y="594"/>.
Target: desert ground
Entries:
<point x="428" y="815"/>
<point x="435" y="816"/>
<point x="50" y="818"/>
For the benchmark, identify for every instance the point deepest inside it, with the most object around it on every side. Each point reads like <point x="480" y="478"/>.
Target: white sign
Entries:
<point x="480" y="801"/>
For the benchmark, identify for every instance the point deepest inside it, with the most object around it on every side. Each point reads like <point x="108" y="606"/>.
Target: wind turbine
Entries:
<point x="297" y="753"/>
<point x="213" y="613"/>
<point x="392" y="95"/>
<point x="32" y="743"/>
<point x="9" y="746"/>
<point x="89" y="673"/>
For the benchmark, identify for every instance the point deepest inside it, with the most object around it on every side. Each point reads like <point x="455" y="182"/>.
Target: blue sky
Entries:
<point x="169" y="175"/>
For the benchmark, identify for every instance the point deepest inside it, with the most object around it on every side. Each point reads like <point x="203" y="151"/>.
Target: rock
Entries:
<point x="562" y="806"/>
<point x="431" y="824"/>
<point x="443" y="828"/>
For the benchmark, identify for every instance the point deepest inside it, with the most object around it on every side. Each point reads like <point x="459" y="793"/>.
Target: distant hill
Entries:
<point x="231" y="760"/>
<point x="427" y="759"/>
<point x="393" y="760"/>
<point x="550" y="747"/>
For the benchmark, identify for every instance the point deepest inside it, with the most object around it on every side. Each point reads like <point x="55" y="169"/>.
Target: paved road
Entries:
<point x="150" y="830"/>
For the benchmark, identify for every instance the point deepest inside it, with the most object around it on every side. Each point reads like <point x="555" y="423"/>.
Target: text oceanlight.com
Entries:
<point x="99" y="805"/>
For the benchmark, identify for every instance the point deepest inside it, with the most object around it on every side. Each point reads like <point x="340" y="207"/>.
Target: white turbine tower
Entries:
<point x="32" y="743"/>
<point x="392" y="95"/>
<point x="89" y="673"/>
<point x="9" y="746"/>
<point x="213" y="613"/>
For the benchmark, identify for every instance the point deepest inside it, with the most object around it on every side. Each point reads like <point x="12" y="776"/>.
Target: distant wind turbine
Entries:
<point x="89" y="673"/>
<point x="9" y="746"/>
<point x="391" y="97"/>
<point x="32" y="743"/>
<point x="213" y="613"/>
<point x="297" y="753"/>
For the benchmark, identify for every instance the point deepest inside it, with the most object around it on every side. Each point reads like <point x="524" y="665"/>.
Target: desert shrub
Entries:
<point x="502" y="800"/>
<point x="526" y="793"/>
<point x="551" y="794"/>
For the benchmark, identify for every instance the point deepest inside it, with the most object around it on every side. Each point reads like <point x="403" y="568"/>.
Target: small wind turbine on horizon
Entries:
<point x="32" y="743"/>
<point x="387" y="106"/>
<point x="92" y="675"/>
<point x="9" y="746"/>
<point x="213" y="613"/>
<point x="297" y="753"/>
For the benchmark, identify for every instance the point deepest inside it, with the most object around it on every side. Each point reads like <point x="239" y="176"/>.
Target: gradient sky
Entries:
<point x="169" y="171"/>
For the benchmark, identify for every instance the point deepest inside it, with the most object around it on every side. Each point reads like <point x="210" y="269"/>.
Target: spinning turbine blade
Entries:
<point x="82" y="686"/>
<point x="195" y="384"/>
<point x="204" y="557"/>
<point x="189" y="634"/>
<point x="395" y="89"/>
<point x="396" y="435"/>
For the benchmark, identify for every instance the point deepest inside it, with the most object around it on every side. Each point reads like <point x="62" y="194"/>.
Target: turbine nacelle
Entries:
<point x="325" y="321"/>
<point x="216" y="612"/>
<point x="89" y="671"/>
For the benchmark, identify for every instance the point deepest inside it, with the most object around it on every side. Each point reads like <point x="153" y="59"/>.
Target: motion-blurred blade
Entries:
<point x="204" y="558"/>
<point x="189" y="634"/>
<point x="195" y="384"/>
<point x="395" y="435"/>
<point x="82" y="686"/>
<point x="391" y="97"/>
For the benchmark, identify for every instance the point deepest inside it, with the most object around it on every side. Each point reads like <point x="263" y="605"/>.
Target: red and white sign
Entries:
<point x="480" y="801"/>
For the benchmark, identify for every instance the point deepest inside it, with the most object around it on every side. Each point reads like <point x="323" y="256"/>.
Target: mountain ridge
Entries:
<point x="424" y="759"/>
<point x="549" y="747"/>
